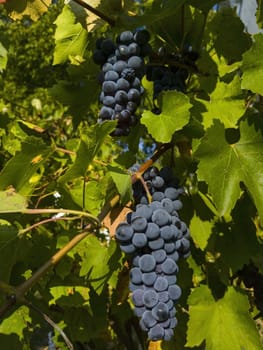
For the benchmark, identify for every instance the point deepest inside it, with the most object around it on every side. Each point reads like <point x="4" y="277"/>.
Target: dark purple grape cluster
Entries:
<point x="173" y="75"/>
<point x="123" y="66"/>
<point x="156" y="238"/>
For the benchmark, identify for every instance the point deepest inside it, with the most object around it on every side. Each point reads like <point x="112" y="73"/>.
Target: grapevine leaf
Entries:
<point x="122" y="181"/>
<point x="20" y="172"/>
<point x="226" y="24"/>
<point x="8" y="248"/>
<point x="3" y="57"/>
<point x="223" y="165"/>
<point x="12" y="202"/>
<point x="200" y="231"/>
<point x="70" y="37"/>
<point x="252" y="66"/>
<point x="225" y="103"/>
<point x="16" y="322"/>
<point x="175" y="115"/>
<point x="94" y="194"/>
<point x="98" y="262"/>
<point x="90" y="144"/>
<point x="212" y="321"/>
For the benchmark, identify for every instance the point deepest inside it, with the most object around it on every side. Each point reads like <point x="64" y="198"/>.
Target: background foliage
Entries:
<point x="61" y="174"/>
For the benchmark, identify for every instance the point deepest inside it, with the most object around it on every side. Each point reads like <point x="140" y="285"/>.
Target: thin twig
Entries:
<point x="21" y="232"/>
<point x="96" y="12"/>
<point x="52" y="323"/>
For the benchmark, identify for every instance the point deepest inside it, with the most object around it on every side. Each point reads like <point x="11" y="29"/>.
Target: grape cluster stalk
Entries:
<point x="155" y="237"/>
<point x="122" y="68"/>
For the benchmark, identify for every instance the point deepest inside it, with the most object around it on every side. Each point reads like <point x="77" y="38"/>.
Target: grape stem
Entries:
<point x="96" y="12"/>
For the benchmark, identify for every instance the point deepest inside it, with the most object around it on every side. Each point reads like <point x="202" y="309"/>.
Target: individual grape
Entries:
<point x="119" y="66"/>
<point x="135" y="62"/>
<point x="155" y="204"/>
<point x="107" y="67"/>
<point x="133" y="287"/>
<point x="106" y="113"/>
<point x="160" y="312"/>
<point x="112" y="59"/>
<point x="144" y="211"/>
<point x="171" y="279"/>
<point x="148" y="319"/>
<point x="139" y="224"/>
<point x="99" y="57"/>
<point x="124" y="232"/>
<point x="171" y="193"/>
<point x="161" y="217"/>
<point x="131" y="106"/>
<point x="147" y="263"/>
<point x="111" y="75"/>
<point x="170" y="304"/>
<point x="139" y="311"/>
<point x="142" y="325"/>
<point x="161" y="284"/>
<point x="164" y="324"/>
<point x="172" y="312"/>
<point x="142" y="37"/>
<point x="128" y="248"/>
<point x="126" y="37"/>
<point x="109" y="101"/>
<point x="123" y="51"/>
<point x="168" y="334"/>
<point x="166" y="232"/>
<point x="168" y="205"/>
<point x="123" y="84"/>
<point x="139" y="240"/>
<point x="150" y="298"/>
<point x="158" y="196"/>
<point x="152" y="232"/>
<point x="133" y="95"/>
<point x="169" y="247"/>
<point x="156" y="333"/>
<point x="118" y="108"/>
<point x="174" y="292"/>
<point x="173" y="322"/>
<point x="148" y="278"/>
<point x="136" y="84"/>
<point x="169" y="267"/>
<point x="158" y="182"/>
<point x="159" y="255"/>
<point x="121" y="96"/>
<point x="135" y="261"/>
<point x="136" y="275"/>
<point x="177" y="204"/>
<point x="156" y="244"/>
<point x="109" y="87"/>
<point x="134" y="49"/>
<point x="174" y="256"/>
<point x="163" y="296"/>
<point x="137" y="297"/>
<point x="124" y="116"/>
<point x="107" y="47"/>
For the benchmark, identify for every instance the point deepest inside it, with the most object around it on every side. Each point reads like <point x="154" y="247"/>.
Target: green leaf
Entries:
<point x="226" y="103"/>
<point x="16" y="322"/>
<point x="122" y="181"/>
<point x="91" y="141"/>
<point x="20" y="172"/>
<point x="175" y="115"/>
<point x="3" y="57"/>
<point x="226" y="24"/>
<point x="12" y="202"/>
<point x="200" y="230"/>
<point x="223" y="165"/>
<point x="222" y="324"/>
<point x="99" y="262"/>
<point x="70" y="37"/>
<point x="252" y="66"/>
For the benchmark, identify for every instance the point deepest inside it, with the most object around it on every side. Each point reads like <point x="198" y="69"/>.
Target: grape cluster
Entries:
<point x="123" y="67"/>
<point x="172" y="75"/>
<point x="156" y="238"/>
